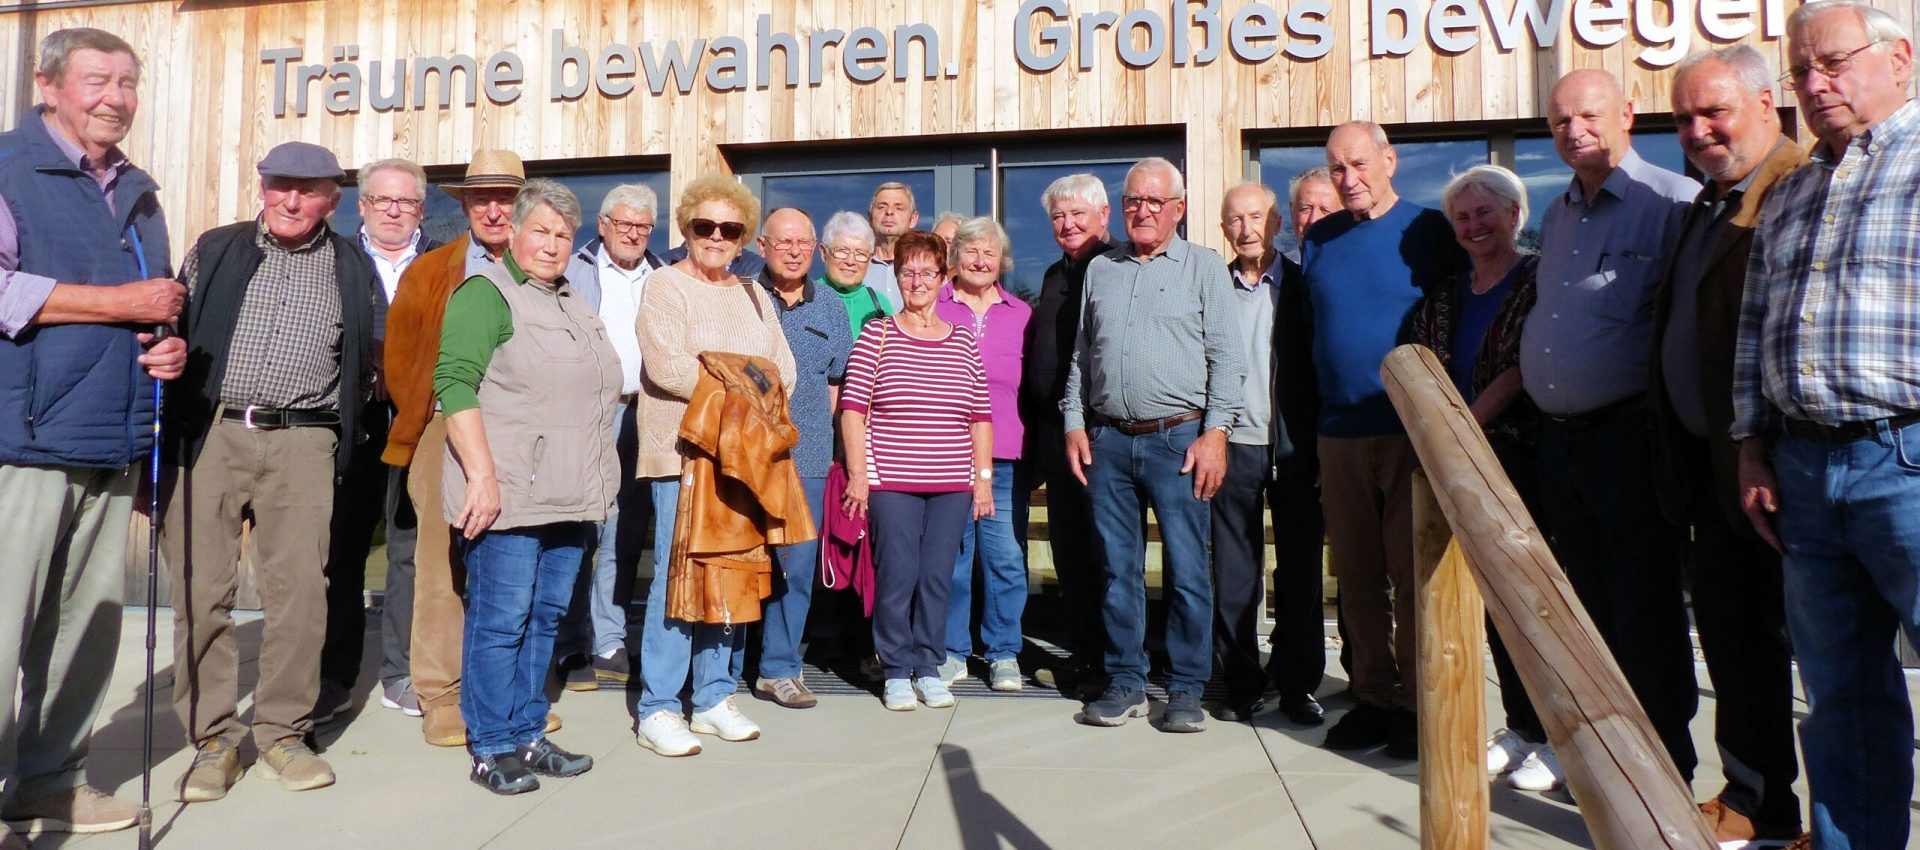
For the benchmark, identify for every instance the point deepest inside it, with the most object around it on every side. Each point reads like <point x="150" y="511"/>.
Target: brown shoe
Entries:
<point x="553" y="723"/>
<point x="297" y="768"/>
<point x="216" y="766"/>
<point x="443" y="725"/>
<point x="790" y="692"/>
<point x="1732" y="827"/>
<point x="82" y="810"/>
<point x="1804" y="842"/>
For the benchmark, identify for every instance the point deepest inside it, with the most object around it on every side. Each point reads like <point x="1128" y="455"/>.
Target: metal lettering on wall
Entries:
<point x="1046" y="34"/>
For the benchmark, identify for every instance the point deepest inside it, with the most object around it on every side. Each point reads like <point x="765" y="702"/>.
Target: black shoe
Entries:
<point x="1114" y="707"/>
<point x="1363" y="728"/>
<point x="334" y="698"/>
<point x="612" y="671"/>
<point x="1071" y="679"/>
<point x="1183" y="713"/>
<point x="1403" y="735"/>
<point x="503" y="774"/>
<point x="1303" y="709"/>
<point x="544" y="758"/>
<point x="1236" y="710"/>
<point x="576" y="674"/>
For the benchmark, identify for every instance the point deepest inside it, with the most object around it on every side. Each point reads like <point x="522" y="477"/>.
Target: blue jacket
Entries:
<point x="75" y="395"/>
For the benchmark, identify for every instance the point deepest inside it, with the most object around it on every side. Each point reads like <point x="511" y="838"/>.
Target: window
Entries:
<point x="1423" y="170"/>
<point x="1546" y="177"/>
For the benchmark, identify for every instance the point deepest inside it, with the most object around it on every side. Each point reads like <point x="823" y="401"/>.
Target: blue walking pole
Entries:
<point x="160" y="332"/>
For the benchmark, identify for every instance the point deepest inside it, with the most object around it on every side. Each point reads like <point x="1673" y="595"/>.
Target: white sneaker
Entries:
<point x="897" y="695"/>
<point x="952" y="670"/>
<point x="933" y="692"/>
<point x="726" y="721"/>
<point x="664" y="732"/>
<point x="1506" y="750"/>
<point x="1004" y="675"/>
<point x="1540" y="772"/>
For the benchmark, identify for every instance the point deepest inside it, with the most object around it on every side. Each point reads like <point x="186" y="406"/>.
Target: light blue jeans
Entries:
<point x="785" y="614"/>
<point x="1850" y="519"/>
<point x="1003" y="579"/>
<point x="671" y="650"/>
<point x="518" y="584"/>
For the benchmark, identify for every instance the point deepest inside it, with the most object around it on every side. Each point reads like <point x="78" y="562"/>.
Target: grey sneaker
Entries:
<point x="400" y="697"/>
<point x="1183" y="713"/>
<point x="1004" y="675"/>
<point x="1114" y="707"/>
<point x="81" y="810"/>
<point x="952" y="670"/>
<point x="334" y="698"/>
<point x="898" y="696"/>
<point x="933" y="692"/>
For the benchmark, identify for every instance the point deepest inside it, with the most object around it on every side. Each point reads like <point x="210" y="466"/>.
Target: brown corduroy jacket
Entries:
<point x="413" y="342"/>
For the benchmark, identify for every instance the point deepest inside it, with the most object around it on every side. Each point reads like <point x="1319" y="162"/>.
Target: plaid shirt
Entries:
<point x="1830" y="323"/>
<point x="286" y="342"/>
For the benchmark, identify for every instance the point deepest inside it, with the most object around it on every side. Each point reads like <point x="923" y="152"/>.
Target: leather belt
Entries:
<point x="1147" y="426"/>
<point x="1591" y="418"/>
<point x="274" y="419"/>
<point x="629" y="398"/>
<point x="1846" y="432"/>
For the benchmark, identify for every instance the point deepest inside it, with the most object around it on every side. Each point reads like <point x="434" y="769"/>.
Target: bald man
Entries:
<point x="1584" y="355"/>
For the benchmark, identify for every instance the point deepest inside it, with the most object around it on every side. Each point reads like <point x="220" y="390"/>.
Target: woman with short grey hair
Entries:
<point x="846" y="246"/>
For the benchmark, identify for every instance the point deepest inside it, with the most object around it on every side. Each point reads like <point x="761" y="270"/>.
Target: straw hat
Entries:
<point x="490" y="169"/>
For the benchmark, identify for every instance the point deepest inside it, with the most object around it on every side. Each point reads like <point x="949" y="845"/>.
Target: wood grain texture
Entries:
<point x="206" y="115"/>
<point x="1454" y="795"/>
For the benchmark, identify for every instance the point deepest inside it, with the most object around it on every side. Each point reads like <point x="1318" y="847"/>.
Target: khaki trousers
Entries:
<point x="63" y="549"/>
<point x="283" y="480"/>
<point x="439" y="616"/>
<point x="1366" y="488"/>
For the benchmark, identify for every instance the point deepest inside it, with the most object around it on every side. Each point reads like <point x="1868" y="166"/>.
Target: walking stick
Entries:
<point x="160" y="332"/>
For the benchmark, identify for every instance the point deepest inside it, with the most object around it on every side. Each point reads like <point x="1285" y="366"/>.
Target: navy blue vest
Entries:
<point x="75" y="395"/>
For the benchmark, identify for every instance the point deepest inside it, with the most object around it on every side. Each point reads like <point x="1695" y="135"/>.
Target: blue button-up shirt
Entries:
<point x="1586" y="342"/>
<point x="1830" y="322"/>
<point x="821" y="338"/>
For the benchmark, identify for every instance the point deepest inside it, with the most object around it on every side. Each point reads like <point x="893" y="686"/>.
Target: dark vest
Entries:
<point x="75" y="395"/>
<point x="226" y="261"/>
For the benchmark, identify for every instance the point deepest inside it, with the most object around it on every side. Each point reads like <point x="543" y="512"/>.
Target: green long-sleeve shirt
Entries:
<point x="477" y="322"/>
<point x="863" y="303"/>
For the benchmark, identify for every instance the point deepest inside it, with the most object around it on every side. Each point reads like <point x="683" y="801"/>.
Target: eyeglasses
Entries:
<point x="853" y="254"/>
<point x="629" y="228"/>
<point x="729" y="230"/>
<point x="1152" y="204"/>
<point x="382" y="202"/>
<point x="931" y="276"/>
<point x="804" y="246"/>
<point x="1796" y="76"/>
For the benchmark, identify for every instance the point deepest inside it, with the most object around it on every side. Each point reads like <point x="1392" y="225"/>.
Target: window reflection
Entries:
<point x="1545" y="176"/>
<point x="822" y="195"/>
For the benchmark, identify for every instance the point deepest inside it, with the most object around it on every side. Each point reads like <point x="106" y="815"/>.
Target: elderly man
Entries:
<point x="1364" y="270"/>
<point x="816" y="327"/>
<point x="1153" y="391"/>
<point x="72" y="295"/>
<point x="1583" y="356"/>
<point x="891" y="213"/>
<point x="610" y="272"/>
<point x="1723" y="104"/>
<point x="417" y="441"/>
<point x="279" y="324"/>
<point x="1077" y="207"/>
<point x="393" y="195"/>
<point x="1826" y="409"/>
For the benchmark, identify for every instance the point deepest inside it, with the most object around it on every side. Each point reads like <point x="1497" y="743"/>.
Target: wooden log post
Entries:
<point x="1453" y="683"/>
<point x="1629" y="793"/>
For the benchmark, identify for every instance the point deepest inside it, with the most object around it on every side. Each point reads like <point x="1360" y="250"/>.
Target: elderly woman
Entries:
<point x="979" y="256"/>
<point x="1473" y="322"/>
<point x="528" y="380"/>
<point x="917" y="427"/>
<point x="693" y="306"/>
<point x="846" y="246"/>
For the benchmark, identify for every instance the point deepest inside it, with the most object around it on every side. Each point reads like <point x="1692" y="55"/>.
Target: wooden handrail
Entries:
<point x="1629" y="793"/>
<point x="1454" y="797"/>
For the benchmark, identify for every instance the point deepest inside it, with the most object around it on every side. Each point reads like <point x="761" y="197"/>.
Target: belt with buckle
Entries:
<point x="629" y="398"/>
<point x="274" y="418"/>
<point x="1846" y="432"/>
<point x="1137" y="427"/>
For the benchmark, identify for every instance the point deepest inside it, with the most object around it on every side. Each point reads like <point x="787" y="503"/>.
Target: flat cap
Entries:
<point x="301" y="161"/>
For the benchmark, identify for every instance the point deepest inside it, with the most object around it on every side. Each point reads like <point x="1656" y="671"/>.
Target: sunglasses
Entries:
<point x="729" y="230"/>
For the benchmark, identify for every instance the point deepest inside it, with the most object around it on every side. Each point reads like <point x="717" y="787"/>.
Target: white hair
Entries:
<point x="1176" y="182"/>
<point x="1879" y="25"/>
<point x="847" y="224"/>
<point x="1495" y="181"/>
<point x="1082" y="187"/>
<point x="982" y="229"/>
<point x="633" y="196"/>
<point x="1748" y="66"/>
<point x="404" y="166"/>
<point x="1318" y="172"/>
<point x="541" y="192"/>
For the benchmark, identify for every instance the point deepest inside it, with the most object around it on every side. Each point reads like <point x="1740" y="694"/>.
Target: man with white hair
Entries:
<point x="1826" y="409"/>
<point x="610" y="273"/>
<point x="1153" y="392"/>
<point x="1723" y="105"/>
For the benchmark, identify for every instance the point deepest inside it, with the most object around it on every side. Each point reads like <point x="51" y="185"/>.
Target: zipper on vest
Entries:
<point x="32" y="372"/>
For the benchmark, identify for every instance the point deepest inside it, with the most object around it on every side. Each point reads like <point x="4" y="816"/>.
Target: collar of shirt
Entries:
<point x="604" y="262"/>
<point x="265" y="240"/>
<point x="948" y="294"/>
<point x="115" y="161"/>
<point x="1900" y="123"/>
<point x="1626" y="172"/>
<point x="1718" y="207"/>
<point x="477" y="252"/>
<point x="413" y="246"/>
<point x="1176" y="250"/>
<point x="1270" y="275"/>
<point x="806" y="290"/>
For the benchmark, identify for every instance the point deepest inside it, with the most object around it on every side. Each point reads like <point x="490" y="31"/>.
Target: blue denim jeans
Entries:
<point x="1850" y="519"/>
<point x="785" y="614"/>
<point x="1003" y="578"/>
<point x="518" y="584"/>
<point x="596" y="622"/>
<point x="1130" y="472"/>
<point x="671" y="650"/>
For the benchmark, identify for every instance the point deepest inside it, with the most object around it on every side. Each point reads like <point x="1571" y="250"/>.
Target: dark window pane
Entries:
<point x="1423" y="170"/>
<point x="442" y="222"/>
<point x="1031" y="229"/>
<point x="1546" y="176"/>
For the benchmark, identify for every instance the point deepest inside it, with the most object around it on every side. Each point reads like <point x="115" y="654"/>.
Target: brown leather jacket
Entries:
<point x="413" y="342"/>
<point x="739" y="492"/>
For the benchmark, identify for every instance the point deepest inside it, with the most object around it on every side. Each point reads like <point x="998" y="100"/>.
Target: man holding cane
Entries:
<point x="77" y="226"/>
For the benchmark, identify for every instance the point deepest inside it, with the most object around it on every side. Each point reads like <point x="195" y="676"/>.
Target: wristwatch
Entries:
<point x="985" y="474"/>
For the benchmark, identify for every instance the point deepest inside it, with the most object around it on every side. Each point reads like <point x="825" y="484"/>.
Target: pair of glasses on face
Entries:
<point x="629" y="228"/>
<point x="384" y="203"/>
<point x="854" y="254"/>
<point x="1151" y="204"/>
<point x="1830" y="67"/>
<point x="804" y="246"/>
<point x="919" y="279"/>
<point x="703" y="228"/>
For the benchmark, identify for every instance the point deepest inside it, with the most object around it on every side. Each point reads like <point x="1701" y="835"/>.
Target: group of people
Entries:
<point x="1721" y="375"/>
